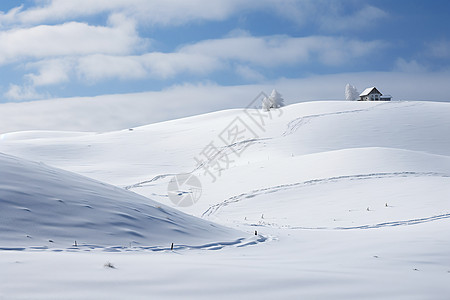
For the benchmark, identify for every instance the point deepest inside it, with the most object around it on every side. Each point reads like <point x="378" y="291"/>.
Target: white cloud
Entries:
<point x="440" y="49"/>
<point x="69" y="39"/>
<point x="328" y="15"/>
<point x="338" y="20"/>
<point x="156" y="65"/>
<point x="412" y="66"/>
<point x="51" y="71"/>
<point x="163" y="12"/>
<point x="164" y="65"/>
<point x="248" y="73"/>
<point x="99" y="66"/>
<point x="281" y="50"/>
<point x="78" y="51"/>
<point x="212" y="55"/>
<point x="19" y="93"/>
<point x="244" y="53"/>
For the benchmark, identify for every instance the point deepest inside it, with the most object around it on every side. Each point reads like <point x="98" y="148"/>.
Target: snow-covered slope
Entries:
<point x="351" y="188"/>
<point x="41" y="207"/>
<point x="305" y="141"/>
<point x="352" y="199"/>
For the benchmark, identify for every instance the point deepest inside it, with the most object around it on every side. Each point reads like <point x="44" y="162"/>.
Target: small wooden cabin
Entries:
<point x="373" y="94"/>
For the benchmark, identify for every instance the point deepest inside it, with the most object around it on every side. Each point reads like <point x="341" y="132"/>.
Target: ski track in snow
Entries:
<point x="295" y="124"/>
<point x="228" y="149"/>
<point x="235" y="147"/>
<point x="292" y="127"/>
<point x="239" y="243"/>
<point x="385" y="224"/>
<point x="213" y="209"/>
<point x="143" y="183"/>
<point x="368" y="226"/>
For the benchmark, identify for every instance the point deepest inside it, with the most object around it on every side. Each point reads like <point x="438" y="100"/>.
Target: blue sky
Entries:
<point x="58" y="49"/>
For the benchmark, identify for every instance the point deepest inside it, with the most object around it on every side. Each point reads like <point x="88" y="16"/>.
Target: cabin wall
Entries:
<point x="371" y="97"/>
<point x="374" y="95"/>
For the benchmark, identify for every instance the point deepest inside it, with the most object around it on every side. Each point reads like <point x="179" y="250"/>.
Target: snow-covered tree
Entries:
<point x="276" y="99"/>
<point x="273" y="101"/>
<point x="351" y="93"/>
<point x="266" y="104"/>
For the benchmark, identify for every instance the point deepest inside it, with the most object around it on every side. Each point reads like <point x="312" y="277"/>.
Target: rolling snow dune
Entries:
<point x="341" y="189"/>
<point x="351" y="198"/>
<point x="313" y="141"/>
<point x="42" y="207"/>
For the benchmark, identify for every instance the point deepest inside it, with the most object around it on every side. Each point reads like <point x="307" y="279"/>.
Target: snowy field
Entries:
<point x="317" y="200"/>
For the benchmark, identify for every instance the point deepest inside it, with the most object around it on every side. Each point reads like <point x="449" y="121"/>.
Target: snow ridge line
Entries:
<point x="214" y="208"/>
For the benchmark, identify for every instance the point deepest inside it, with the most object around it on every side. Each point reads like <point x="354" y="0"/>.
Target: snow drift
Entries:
<point x="353" y="198"/>
<point x="41" y="207"/>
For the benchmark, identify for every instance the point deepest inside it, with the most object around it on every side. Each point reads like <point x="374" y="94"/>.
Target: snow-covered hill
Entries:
<point x="305" y="141"/>
<point x="351" y="199"/>
<point x="43" y="207"/>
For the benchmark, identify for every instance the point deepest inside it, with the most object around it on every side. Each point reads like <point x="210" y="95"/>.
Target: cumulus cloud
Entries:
<point x="156" y="65"/>
<point x="51" y="71"/>
<point x="281" y="50"/>
<point x="100" y="66"/>
<point x="67" y="49"/>
<point x="104" y="52"/>
<point x="243" y="53"/>
<point x="328" y="15"/>
<point x="163" y="12"/>
<point x="71" y="38"/>
<point x="213" y="55"/>
<point x="248" y="73"/>
<point x="20" y="93"/>
<point x="163" y="65"/>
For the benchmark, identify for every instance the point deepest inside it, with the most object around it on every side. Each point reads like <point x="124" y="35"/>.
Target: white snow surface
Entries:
<point x="43" y="207"/>
<point x="350" y="200"/>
